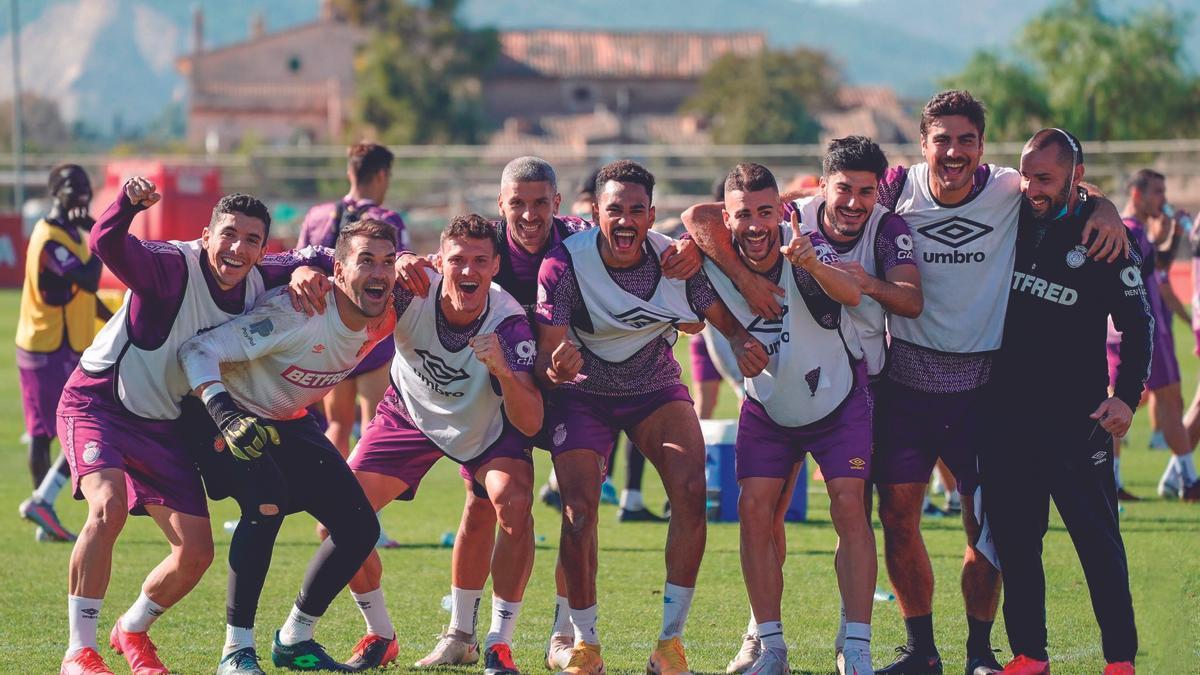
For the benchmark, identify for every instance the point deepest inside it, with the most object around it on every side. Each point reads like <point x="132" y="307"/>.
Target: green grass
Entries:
<point x="1163" y="540"/>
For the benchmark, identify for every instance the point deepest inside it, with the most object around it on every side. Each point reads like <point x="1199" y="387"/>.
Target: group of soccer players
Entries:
<point x="864" y="319"/>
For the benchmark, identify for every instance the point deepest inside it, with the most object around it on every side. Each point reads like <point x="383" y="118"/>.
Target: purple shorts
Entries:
<point x="158" y="467"/>
<point x="375" y="359"/>
<point x="579" y="420"/>
<point x="914" y="428"/>
<point x="1164" y="366"/>
<point x="393" y="447"/>
<point x="703" y="368"/>
<point x="43" y="378"/>
<point x="840" y="442"/>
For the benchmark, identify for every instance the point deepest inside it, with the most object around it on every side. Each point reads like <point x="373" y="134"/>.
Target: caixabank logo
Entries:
<point x="955" y="232"/>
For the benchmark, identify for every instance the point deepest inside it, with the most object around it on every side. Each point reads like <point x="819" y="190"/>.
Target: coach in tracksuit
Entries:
<point x="1050" y="378"/>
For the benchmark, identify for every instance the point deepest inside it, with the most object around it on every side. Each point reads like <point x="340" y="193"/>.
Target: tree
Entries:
<point x="1104" y="78"/>
<point x="1014" y="97"/>
<point x="767" y="97"/>
<point x="418" y="76"/>
<point x="41" y="123"/>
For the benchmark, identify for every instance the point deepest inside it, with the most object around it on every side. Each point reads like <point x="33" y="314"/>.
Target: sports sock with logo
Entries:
<point x="464" y="609"/>
<point x="979" y="637"/>
<point x="562" y="617"/>
<point x="771" y="635"/>
<point x="584" y="621"/>
<point x="920" y="633"/>
<point x="82" y="616"/>
<point x="375" y="612"/>
<point x="141" y="615"/>
<point x="677" y="602"/>
<point x="504" y="621"/>
<point x="54" y="480"/>
<point x="237" y="638"/>
<point x="298" y="627"/>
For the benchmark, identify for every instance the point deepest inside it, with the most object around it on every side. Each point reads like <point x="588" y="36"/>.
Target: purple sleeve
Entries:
<point x="558" y="294"/>
<point x="60" y="261"/>
<point x="314" y="221"/>
<point x="277" y="268"/>
<point x="891" y="185"/>
<point x="893" y="244"/>
<point x="516" y="339"/>
<point x="824" y="309"/>
<point x="575" y="223"/>
<point x="153" y="269"/>
<point x="700" y="291"/>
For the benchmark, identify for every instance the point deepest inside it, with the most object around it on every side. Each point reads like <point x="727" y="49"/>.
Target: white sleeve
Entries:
<point x="269" y="328"/>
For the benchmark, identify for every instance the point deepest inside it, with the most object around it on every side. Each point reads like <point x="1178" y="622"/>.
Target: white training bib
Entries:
<point x="151" y="383"/>
<point x="623" y="323"/>
<point x="966" y="257"/>
<point x="808" y="371"/>
<point x="869" y="317"/>
<point x="449" y="395"/>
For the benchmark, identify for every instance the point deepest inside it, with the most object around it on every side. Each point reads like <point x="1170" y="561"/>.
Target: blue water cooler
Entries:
<point x="719" y="473"/>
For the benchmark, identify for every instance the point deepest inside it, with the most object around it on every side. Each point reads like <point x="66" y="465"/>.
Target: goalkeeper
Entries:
<point x="256" y="375"/>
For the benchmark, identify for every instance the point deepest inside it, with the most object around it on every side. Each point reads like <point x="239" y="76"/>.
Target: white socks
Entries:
<point x="298" y="627"/>
<point x="584" y="621"/>
<point x="464" y="609"/>
<point x="375" y="613"/>
<point x="237" y="638"/>
<point x="1186" y="465"/>
<point x="504" y="621"/>
<point x="47" y="491"/>
<point x="770" y="634"/>
<point x="82" y="616"/>
<point x="143" y="613"/>
<point x="631" y="500"/>
<point x="677" y="602"/>
<point x="562" y="617"/>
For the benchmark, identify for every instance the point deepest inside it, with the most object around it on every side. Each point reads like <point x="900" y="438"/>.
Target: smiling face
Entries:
<point x="624" y="215"/>
<point x="528" y="209"/>
<point x="468" y="265"/>
<point x="952" y="146"/>
<point x="1047" y="181"/>
<point x="850" y="197"/>
<point x="367" y="274"/>
<point x="233" y="244"/>
<point x="753" y="219"/>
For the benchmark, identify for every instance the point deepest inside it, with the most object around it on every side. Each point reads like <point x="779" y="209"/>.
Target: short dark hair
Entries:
<point x="588" y="187"/>
<point x="245" y="205"/>
<point x="1069" y="148"/>
<point x="369" y="228"/>
<point x="750" y="177"/>
<point x="854" y="153"/>
<point x="954" y="102"/>
<point x="624" y="171"/>
<point x="368" y="159"/>
<point x="472" y="226"/>
<point x="1140" y="180"/>
<point x="62" y="173"/>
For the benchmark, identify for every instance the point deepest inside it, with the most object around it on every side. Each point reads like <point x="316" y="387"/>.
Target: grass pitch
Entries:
<point x="1162" y="538"/>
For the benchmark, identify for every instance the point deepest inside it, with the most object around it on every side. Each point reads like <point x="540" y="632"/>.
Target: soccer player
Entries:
<point x="605" y="289"/>
<point x="118" y="414"/>
<point x="963" y="216"/>
<point x="813" y="349"/>
<point x="463" y="389"/>
<point x="528" y="202"/>
<point x="287" y="362"/>
<point x="369" y="170"/>
<point x="1050" y="375"/>
<point x="1147" y="195"/>
<point x="57" y="322"/>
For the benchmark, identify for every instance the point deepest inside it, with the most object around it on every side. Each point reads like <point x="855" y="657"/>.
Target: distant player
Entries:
<point x="528" y="202"/>
<point x="814" y="349"/>
<point x="604" y="290"/>
<point x="118" y="415"/>
<point x="57" y="322"/>
<point x="462" y="389"/>
<point x="273" y="450"/>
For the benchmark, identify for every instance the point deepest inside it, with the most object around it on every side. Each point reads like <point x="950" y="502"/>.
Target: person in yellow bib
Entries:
<point x="57" y="322"/>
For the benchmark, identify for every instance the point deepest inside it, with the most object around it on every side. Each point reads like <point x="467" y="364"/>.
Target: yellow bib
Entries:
<point x="42" y="326"/>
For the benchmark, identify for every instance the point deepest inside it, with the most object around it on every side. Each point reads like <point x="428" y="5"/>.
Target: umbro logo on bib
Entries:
<point x="439" y="371"/>
<point x="640" y="317"/>
<point x="955" y="232"/>
<point x="761" y="325"/>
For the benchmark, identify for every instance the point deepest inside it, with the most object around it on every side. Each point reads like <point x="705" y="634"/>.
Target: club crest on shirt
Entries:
<point x="1076" y="257"/>
<point x="91" y="452"/>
